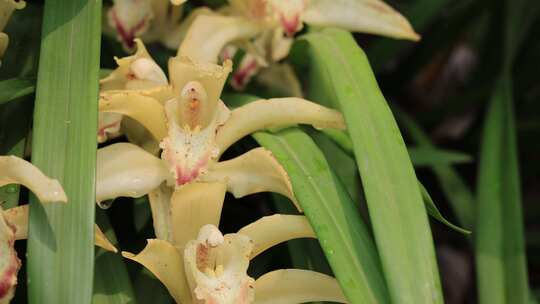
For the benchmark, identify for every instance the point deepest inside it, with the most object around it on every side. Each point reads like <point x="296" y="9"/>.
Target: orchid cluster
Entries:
<point x="183" y="116"/>
<point x="263" y="29"/>
<point x="14" y="221"/>
<point x="7" y="7"/>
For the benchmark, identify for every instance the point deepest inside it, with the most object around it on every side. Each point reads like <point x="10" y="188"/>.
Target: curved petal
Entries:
<point x="366" y="16"/>
<point x="14" y="170"/>
<point x="173" y="39"/>
<point x="17" y="218"/>
<point x="272" y="230"/>
<point x="138" y="71"/>
<point x="139" y="135"/>
<point x="124" y="169"/>
<point x="193" y="206"/>
<point x="178" y="2"/>
<point x="209" y="34"/>
<point x="288" y="286"/>
<point x="166" y="263"/>
<point x="146" y="110"/>
<point x="216" y="267"/>
<point x="276" y="112"/>
<point x="160" y="204"/>
<point x="102" y="241"/>
<point x="252" y="172"/>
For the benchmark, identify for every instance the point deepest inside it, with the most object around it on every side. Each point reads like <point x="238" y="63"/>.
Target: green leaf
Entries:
<point x="424" y="156"/>
<point x="111" y="280"/>
<point x="14" y="88"/>
<point x="330" y="210"/>
<point x="420" y="156"/>
<point x="499" y="243"/>
<point x="454" y="187"/>
<point x="435" y="213"/>
<point x="396" y="209"/>
<point x="61" y="236"/>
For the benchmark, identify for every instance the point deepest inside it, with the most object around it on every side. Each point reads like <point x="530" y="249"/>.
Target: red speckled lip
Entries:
<point x="290" y="25"/>
<point x="239" y="79"/>
<point x="127" y="36"/>
<point x="183" y="177"/>
<point x="9" y="277"/>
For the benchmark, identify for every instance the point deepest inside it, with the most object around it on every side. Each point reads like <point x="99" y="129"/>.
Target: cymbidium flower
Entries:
<point x="6" y="9"/>
<point x="265" y="28"/>
<point x="200" y="265"/>
<point x="155" y="20"/>
<point x="194" y="128"/>
<point x="14" y="221"/>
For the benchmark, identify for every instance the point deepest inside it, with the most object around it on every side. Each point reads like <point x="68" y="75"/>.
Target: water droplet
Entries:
<point x="105" y="204"/>
<point x="11" y="189"/>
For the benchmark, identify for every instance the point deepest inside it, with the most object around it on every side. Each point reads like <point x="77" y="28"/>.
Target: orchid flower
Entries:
<point x="14" y="221"/>
<point x="135" y="72"/>
<point x="6" y="9"/>
<point x="265" y="28"/>
<point x="197" y="264"/>
<point x="132" y="18"/>
<point x="194" y="128"/>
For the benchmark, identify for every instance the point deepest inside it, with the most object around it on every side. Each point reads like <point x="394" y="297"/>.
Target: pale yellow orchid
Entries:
<point x="194" y="127"/>
<point x="14" y="221"/>
<point x="197" y="264"/>
<point x="264" y="28"/>
<point x="7" y="7"/>
<point x="155" y="20"/>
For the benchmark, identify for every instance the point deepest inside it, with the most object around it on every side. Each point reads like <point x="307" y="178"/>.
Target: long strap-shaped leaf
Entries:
<point x="399" y="219"/>
<point x="61" y="241"/>
<point x="330" y="210"/>
<point x="499" y="244"/>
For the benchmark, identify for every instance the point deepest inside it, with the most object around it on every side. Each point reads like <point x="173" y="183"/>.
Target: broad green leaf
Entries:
<point x="422" y="156"/>
<point x="14" y="88"/>
<point x="333" y="215"/>
<point x="396" y="209"/>
<point x="453" y="185"/>
<point x="499" y="237"/>
<point x="435" y="213"/>
<point x="112" y="284"/>
<point x="61" y="236"/>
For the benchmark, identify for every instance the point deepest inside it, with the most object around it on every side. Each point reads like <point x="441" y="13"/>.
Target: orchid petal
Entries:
<point x="9" y="263"/>
<point x="272" y="113"/>
<point x="366" y="16"/>
<point x="130" y="19"/>
<point x="252" y="172"/>
<point x="146" y="110"/>
<point x="290" y="286"/>
<point x="166" y="263"/>
<point x="17" y="218"/>
<point x="139" y="135"/>
<point x="272" y="230"/>
<point x="208" y="35"/>
<point x="124" y="169"/>
<point x="193" y="206"/>
<point x="216" y="267"/>
<point x="249" y="66"/>
<point x="173" y="39"/>
<point x="160" y="203"/>
<point x="14" y="170"/>
<point x="178" y="2"/>
<point x="4" y="41"/>
<point x="138" y="71"/>
<point x="204" y="79"/>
